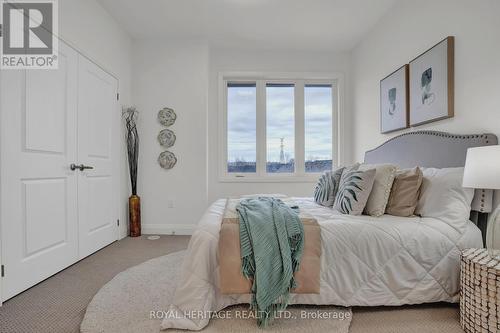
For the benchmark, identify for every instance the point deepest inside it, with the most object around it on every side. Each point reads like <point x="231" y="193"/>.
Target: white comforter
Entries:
<point x="366" y="261"/>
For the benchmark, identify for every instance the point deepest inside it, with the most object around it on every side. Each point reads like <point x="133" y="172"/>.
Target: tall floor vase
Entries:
<point x="134" y="210"/>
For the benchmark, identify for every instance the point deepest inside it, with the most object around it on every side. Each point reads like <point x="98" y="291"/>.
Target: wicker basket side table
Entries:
<point x="479" y="292"/>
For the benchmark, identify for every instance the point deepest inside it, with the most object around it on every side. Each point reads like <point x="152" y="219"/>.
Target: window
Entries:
<point x="241" y="127"/>
<point x="278" y="128"/>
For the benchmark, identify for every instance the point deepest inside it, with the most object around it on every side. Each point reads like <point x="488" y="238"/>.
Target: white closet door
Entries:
<point x="98" y="121"/>
<point x="38" y="189"/>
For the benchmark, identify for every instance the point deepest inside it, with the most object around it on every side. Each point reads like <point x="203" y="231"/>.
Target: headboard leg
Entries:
<point x="481" y="220"/>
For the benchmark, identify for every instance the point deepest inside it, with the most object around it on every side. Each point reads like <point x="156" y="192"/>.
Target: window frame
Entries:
<point x="300" y="80"/>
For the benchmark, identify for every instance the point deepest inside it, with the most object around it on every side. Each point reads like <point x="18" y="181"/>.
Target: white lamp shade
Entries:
<point x="482" y="168"/>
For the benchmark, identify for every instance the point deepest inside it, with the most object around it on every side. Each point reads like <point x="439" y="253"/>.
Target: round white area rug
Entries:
<point x="125" y="303"/>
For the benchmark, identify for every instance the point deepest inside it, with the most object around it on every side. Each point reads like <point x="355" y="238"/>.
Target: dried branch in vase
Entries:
<point x="130" y="115"/>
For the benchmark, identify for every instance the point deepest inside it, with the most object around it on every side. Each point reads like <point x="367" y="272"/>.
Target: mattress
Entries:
<point x="366" y="261"/>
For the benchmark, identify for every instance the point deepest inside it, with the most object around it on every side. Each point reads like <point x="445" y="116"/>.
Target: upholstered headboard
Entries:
<point x="429" y="149"/>
<point x="434" y="149"/>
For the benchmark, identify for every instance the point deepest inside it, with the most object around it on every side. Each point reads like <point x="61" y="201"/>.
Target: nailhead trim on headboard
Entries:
<point x="485" y="136"/>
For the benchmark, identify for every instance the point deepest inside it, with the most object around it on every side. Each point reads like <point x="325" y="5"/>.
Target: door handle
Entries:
<point x="81" y="167"/>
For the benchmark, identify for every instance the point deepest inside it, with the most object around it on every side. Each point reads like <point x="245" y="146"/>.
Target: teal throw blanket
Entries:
<point x="272" y="242"/>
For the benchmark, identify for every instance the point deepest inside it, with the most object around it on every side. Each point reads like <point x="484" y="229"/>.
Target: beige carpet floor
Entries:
<point x="57" y="305"/>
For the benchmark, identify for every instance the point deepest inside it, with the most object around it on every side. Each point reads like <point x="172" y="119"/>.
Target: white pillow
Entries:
<point x="379" y="196"/>
<point x="443" y="197"/>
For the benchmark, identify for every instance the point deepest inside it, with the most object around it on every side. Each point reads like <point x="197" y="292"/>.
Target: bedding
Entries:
<point x="379" y="195"/>
<point x="327" y="187"/>
<point x="405" y="191"/>
<point x="354" y="190"/>
<point x="272" y="243"/>
<point x="365" y="261"/>
<point x="443" y="197"/>
<point x="232" y="280"/>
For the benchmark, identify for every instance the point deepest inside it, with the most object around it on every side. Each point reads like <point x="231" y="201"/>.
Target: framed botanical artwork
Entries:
<point x="394" y="101"/>
<point x="432" y="84"/>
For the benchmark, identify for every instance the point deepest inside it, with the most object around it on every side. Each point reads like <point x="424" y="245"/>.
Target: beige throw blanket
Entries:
<point x="231" y="279"/>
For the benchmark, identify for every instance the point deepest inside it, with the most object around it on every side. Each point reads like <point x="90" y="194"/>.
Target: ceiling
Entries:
<point x="292" y="24"/>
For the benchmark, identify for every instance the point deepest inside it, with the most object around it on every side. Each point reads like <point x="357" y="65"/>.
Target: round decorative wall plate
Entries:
<point x="166" y="138"/>
<point x="167" y="117"/>
<point x="167" y="160"/>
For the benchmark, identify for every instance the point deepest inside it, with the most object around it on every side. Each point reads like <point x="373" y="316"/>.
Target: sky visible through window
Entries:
<point x="318" y="127"/>
<point x="280" y="120"/>
<point x="241" y="127"/>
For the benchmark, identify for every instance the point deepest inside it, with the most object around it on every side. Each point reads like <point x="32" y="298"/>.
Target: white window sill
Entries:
<point x="312" y="178"/>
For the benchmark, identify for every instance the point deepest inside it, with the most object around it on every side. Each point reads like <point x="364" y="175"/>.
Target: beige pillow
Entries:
<point x="354" y="189"/>
<point x="404" y="193"/>
<point x="384" y="176"/>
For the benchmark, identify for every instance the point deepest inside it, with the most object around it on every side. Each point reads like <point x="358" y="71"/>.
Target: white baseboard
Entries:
<point x="168" y="229"/>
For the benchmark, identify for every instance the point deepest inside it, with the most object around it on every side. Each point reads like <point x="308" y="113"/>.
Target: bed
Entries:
<point x="366" y="261"/>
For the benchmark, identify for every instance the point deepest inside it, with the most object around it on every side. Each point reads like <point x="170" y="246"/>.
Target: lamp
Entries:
<point x="482" y="171"/>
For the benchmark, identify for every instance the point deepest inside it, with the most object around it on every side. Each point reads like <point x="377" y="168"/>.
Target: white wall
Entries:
<point x="85" y="25"/>
<point x="407" y="30"/>
<point x="172" y="74"/>
<point x="226" y="60"/>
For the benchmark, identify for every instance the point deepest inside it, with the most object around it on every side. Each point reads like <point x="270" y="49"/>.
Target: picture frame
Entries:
<point x="432" y="76"/>
<point x="394" y="101"/>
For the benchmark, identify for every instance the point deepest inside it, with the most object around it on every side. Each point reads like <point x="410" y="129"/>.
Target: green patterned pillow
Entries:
<point x="354" y="190"/>
<point x="326" y="189"/>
